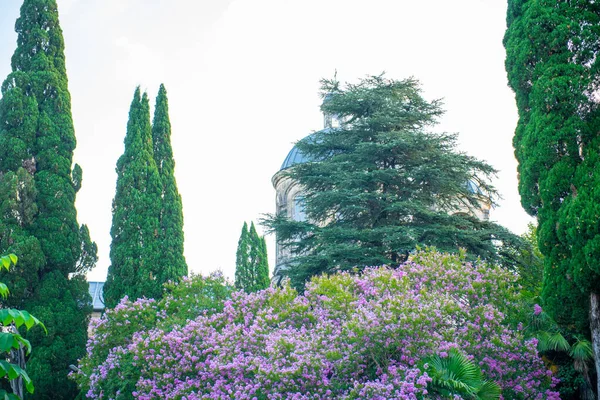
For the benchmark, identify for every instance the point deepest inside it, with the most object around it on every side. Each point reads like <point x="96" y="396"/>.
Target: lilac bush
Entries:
<point x="348" y="337"/>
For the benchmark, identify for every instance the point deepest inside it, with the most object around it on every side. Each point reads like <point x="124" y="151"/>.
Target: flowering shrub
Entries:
<point x="348" y="337"/>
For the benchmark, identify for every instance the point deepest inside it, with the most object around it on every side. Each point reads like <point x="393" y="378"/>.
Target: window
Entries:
<point x="299" y="208"/>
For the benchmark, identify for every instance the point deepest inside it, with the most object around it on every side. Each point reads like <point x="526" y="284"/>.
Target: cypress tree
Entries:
<point x="135" y="252"/>
<point x="37" y="200"/>
<point x="242" y="260"/>
<point x="171" y="213"/>
<point x="382" y="184"/>
<point x="259" y="264"/>
<point x="252" y="267"/>
<point x="553" y="67"/>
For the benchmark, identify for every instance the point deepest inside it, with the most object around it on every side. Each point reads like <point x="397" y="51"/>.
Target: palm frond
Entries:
<point x="552" y="341"/>
<point x="489" y="391"/>
<point x="582" y="350"/>
<point x="456" y="374"/>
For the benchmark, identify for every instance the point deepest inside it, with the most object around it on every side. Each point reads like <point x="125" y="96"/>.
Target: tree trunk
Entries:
<point x="595" y="329"/>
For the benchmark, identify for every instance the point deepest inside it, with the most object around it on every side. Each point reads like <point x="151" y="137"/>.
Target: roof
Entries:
<point x="295" y="156"/>
<point x="97" y="296"/>
<point x="473" y="187"/>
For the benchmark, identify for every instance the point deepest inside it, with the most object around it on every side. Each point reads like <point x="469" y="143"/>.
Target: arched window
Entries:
<point x="299" y="208"/>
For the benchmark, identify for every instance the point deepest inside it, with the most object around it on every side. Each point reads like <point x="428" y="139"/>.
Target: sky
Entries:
<point x="242" y="78"/>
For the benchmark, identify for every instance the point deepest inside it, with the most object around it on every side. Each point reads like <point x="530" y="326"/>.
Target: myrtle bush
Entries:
<point x="349" y="336"/>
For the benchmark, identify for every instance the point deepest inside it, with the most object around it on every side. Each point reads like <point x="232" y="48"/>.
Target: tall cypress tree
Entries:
<point x="242" y="260"/>
<point x="252" y="266"/>
<point x="37" y="200"/>
<point x="259" y="264"/>
<point x="135" y="252"/>
<point x="171" y="213"/>
<point x="552" y="61"/>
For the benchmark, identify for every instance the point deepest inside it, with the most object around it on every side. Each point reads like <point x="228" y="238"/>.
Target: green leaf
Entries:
<point x="26" y="379"/>
<point x="6" y="262"/>
<point x="4" y="292"/>
<point x="489" y="391"/>
<point x="456" y="374"/>
<point x="28" y="318"/>
<point x="18" y="319"/>
<point x="4" y="395"/>
<point x="552" y="341"/>
<point x="5" y="317"/>
<point x="21" y="341"/>
<point x="9" y="316"/>
<point x="13" y="258"/>
<point x="582" y="350"/>
<point x="14" y="371"/>
<point x="7" y="342"/>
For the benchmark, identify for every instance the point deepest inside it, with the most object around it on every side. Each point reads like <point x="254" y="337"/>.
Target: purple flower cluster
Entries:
<point x="348" y="337"/>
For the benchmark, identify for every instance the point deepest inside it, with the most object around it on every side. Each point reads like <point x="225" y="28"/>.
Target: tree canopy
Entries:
<point x="382" y="184"/>
<point x="553" y="68"/>
<point x="252" y="265"/>
<point x="135" y="251"/>
<point x="171" y="213"/>
<point x="38" y="185"/>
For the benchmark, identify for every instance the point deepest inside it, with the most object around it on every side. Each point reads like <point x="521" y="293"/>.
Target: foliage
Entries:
<point x="136" y="268"/>
<point x="569" y="355"/>
<point x="382" y="184"/>
<point x="171" y="214"/>
<point x="531" y="264"/>
<point x="553" y="67"/>
<point x="38" y="186"/>
<point x="457" y="375"/>
<point x="11" y="340"/>
<point x="251" y="263"/>
<point x="348" y="337"/>
<point x="183" y="301"/>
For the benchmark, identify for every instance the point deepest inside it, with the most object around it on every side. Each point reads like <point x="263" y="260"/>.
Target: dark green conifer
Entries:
<point x="382" y="184"/>
<point x="37" y="200"/>
<point x="242" y="260"/>
<point x="552" y="62"/>
<point x="171" y="213"/>
<point x="259" y="264"/>
<point x="252" y="266"/>
<point x="135" y="252"/>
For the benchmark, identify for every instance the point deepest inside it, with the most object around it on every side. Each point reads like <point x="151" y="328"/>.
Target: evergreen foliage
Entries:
<point x="553" y="67"/>
<point x="252" y="265"/>
<point x="383" y="185"/>
<point x="38" y="185"/>
<point x="242" y="275"/>
<point x="135" y="252"/>
<point x="171" y="213"/>
<point x="258" y="260"/>
<point x="457" y="375"/>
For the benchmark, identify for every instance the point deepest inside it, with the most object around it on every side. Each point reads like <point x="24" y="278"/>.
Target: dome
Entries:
<point x="473" y="187"/>
<point x="294" y="157"/>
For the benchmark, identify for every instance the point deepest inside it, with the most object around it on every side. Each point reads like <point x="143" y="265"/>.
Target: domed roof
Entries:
<point x="473" y="187"/>
<point x="294" y="157"/>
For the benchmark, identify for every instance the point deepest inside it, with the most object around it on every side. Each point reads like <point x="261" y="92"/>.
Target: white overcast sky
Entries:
<point x="243" y="77"/>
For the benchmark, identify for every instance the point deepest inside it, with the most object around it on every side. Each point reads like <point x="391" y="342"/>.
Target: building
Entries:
<point x="289" y="199"/>
<point x="97" y="299"/>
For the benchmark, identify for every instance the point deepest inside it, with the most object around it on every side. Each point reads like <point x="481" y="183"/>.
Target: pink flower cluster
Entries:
<point x="348" y="337"/>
